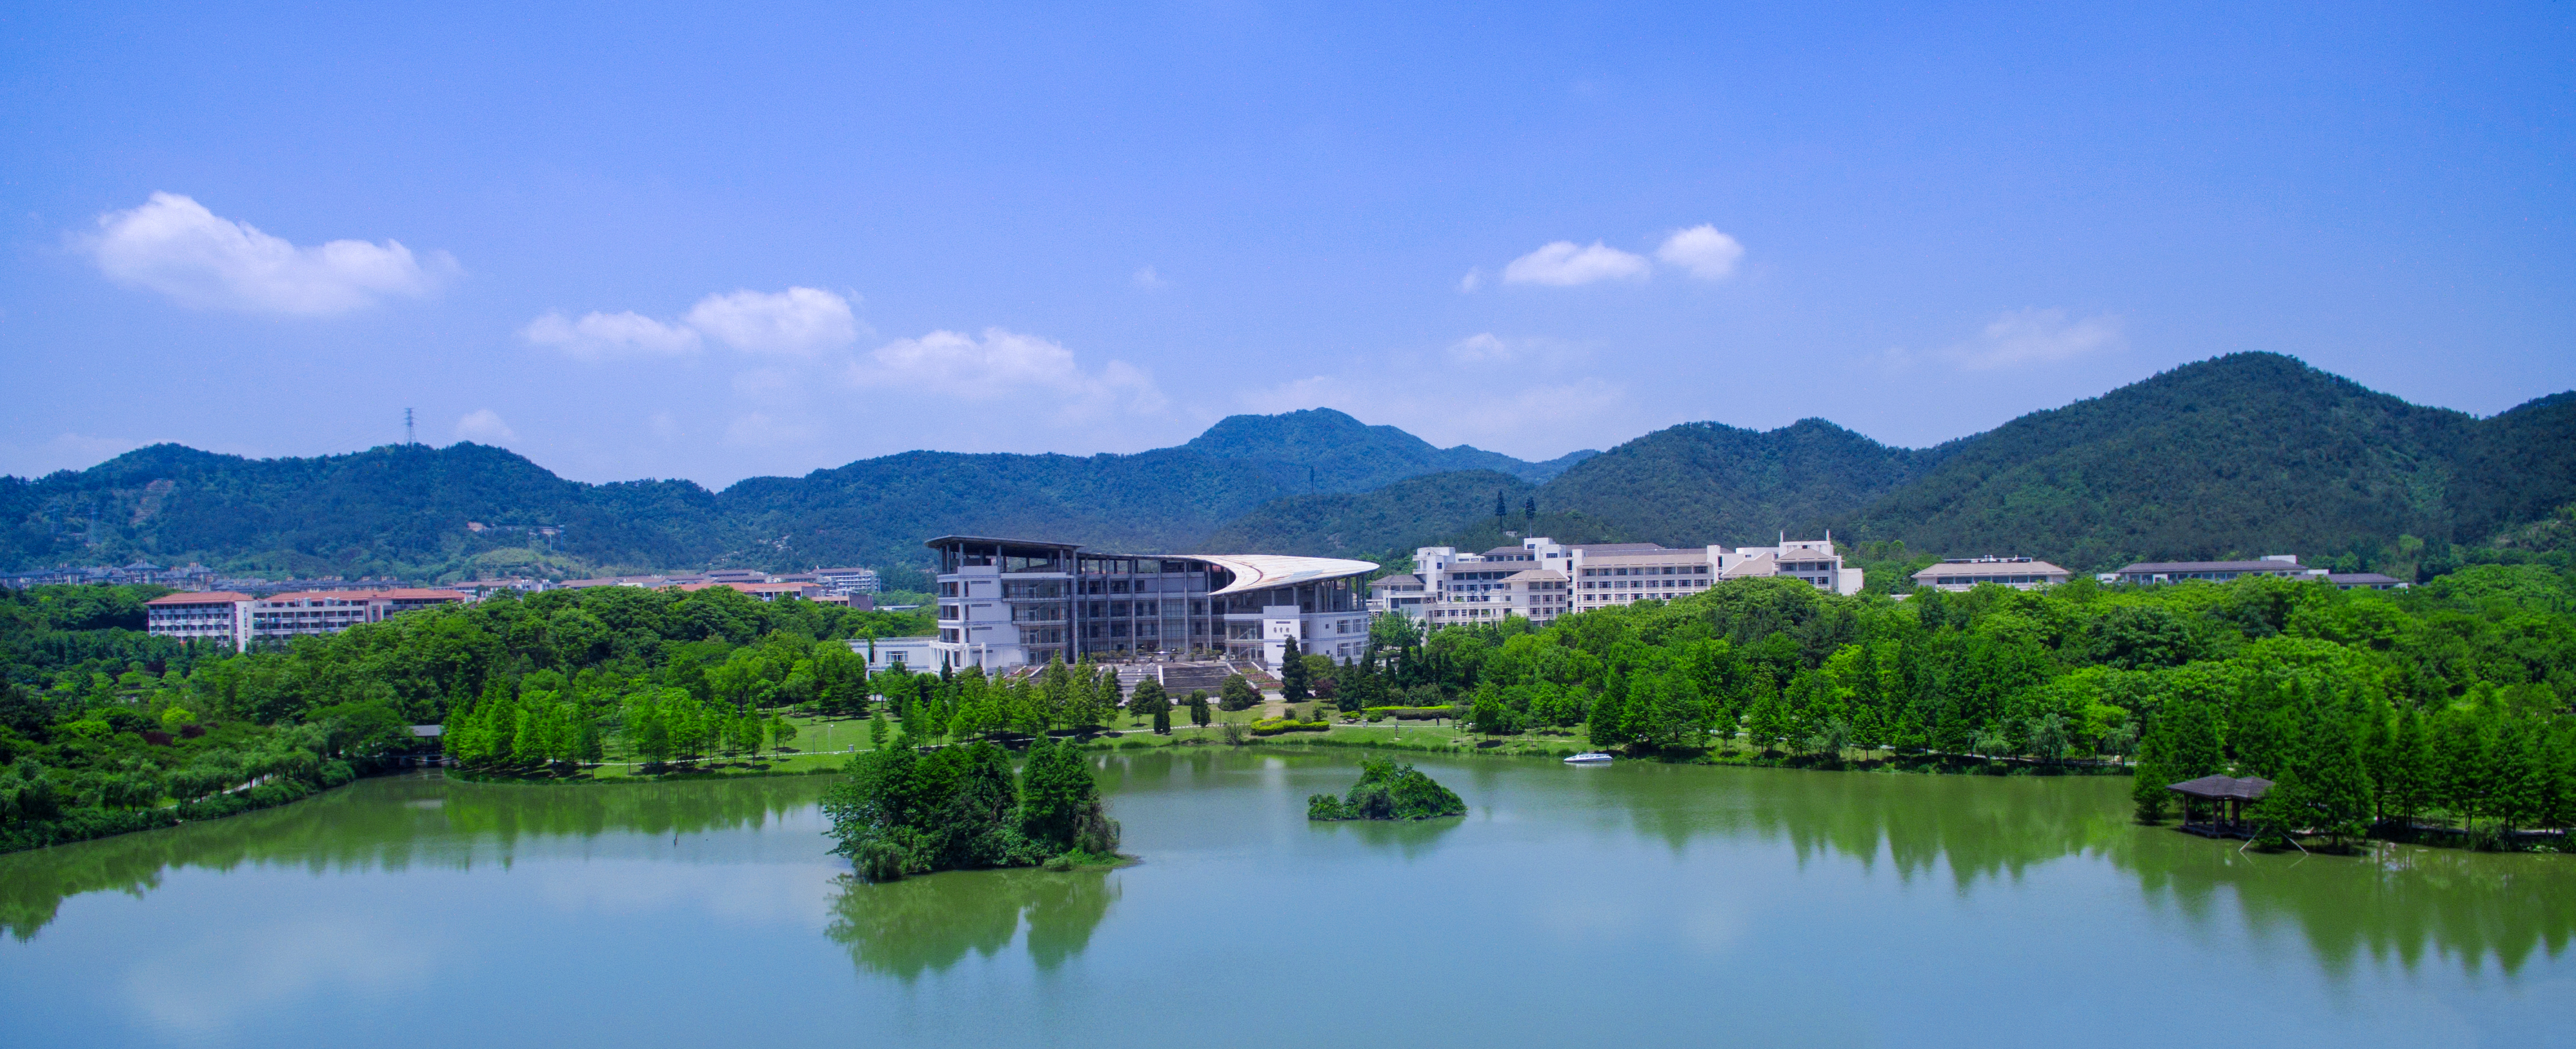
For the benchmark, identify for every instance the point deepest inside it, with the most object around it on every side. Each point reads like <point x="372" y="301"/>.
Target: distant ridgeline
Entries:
<point x="2244" y="454"/>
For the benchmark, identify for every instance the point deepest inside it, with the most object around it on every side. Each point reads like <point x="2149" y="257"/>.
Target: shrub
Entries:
<point x="1275" y="726"/>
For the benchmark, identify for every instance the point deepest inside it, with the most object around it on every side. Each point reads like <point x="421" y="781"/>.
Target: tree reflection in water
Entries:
<point x="2398" y="903"/>
<point x="2407" y="905"/>
<point x="392" y="824"/>
<point x="906" y="928"/>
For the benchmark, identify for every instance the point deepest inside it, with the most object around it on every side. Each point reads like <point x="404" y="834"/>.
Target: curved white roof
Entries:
<point x="1263" y="571"/>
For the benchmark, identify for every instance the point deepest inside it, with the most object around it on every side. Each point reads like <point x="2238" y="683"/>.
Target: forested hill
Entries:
<point x="2246" y="454"/>
<point x="1322" y="450"/>
<point x="411" y="511"/>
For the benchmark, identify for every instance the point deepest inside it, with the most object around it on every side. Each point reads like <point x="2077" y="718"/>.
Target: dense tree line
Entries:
<point x="2447" y="704"/>
<point x="103" y="728"/>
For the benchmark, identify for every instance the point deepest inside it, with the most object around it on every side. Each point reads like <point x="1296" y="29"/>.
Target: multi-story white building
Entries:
<point x="240" y="619"/>
<point x="1541" y="579"/>
<point x="847" y="580"/>
<point x="213" y="615"/>
<point x="1014" y="602"/>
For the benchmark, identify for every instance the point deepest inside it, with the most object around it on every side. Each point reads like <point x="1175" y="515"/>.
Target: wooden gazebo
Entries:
<point x="2229" y="795"/>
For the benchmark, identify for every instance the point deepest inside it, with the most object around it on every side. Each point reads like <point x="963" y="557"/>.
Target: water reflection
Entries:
<point x="2406" y="907"/>
<point x="389" y="824"/>
<point x="906" y="928"/>
<point x="2401" y="904"/>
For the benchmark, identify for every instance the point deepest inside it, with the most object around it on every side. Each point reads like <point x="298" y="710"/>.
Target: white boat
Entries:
<point x="1589" y="757"/>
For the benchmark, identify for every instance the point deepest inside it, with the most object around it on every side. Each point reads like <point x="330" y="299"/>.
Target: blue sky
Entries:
<point x="631" y="240"/>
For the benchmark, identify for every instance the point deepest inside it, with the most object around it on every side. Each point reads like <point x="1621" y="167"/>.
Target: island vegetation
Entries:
<point x="1387" y="791"/>
<point x="903" y="812"/>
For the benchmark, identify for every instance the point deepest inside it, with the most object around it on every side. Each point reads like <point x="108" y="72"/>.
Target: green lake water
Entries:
<point x="1636" y="903"/>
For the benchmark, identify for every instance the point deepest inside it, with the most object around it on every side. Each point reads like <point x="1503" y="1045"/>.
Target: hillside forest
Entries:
<point x="2245" y="454"/>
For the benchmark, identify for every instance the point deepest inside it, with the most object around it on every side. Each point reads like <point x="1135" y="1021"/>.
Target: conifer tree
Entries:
<point x="2406" y="777"/>
<point x="2192" y="749"/>
<point x="1149" y="700"/>
<point x="2147" y="785"/>
<point x="1163" y="721"/>
<point x="1200" y="716"/>
<point x="1293" y="679"/>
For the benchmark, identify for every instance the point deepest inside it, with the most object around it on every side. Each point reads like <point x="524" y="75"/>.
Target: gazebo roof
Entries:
<point x="2219" y="788"/>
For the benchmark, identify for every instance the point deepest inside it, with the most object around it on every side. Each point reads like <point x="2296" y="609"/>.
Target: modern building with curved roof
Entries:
<point x="1014" y="602"/>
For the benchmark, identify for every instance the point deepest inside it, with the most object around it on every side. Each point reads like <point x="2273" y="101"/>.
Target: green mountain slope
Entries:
<point x="1394" y="517"/>
<point x="2245" y="454"/>
<point x="1688" y="485"/>
<point x="410" y="510"/>
<point x="1322" y="450"/>
<point x="379" y="510"/>
<point x="2240" y="455"/>
<point x="1704" y="483"/>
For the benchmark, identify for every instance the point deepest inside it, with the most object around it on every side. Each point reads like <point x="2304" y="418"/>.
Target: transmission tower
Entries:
<point x="407" y="437"/>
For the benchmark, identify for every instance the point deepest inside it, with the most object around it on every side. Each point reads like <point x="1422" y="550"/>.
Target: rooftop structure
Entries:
<point x="2283" y="566"/>
<point x="1016" y="602"/>
<point x="2019" y="573"/>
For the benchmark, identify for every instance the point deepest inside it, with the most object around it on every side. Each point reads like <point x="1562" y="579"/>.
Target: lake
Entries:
<point x="1637" y="902"/>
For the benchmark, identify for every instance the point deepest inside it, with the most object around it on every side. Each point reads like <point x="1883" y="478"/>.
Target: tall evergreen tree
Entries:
<point x="1292" y="674"/>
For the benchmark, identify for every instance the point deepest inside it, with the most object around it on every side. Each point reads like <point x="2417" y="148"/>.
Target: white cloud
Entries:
<point x="798" y="321"/>
<point x="1705" y="252"/>
<point x="765" y="430"/>
<point x="1566" y="264"/>
<point x="484" y="425"/>
<point x="2036" y="336"/>
<point x="1149" y="280"/>
<point x="1482" y="348"/>
<point x="174" y="246"/>
<point x="1003" y="365"/>
<point x="601" y="336"/>
<point x="1550" y="400"/>
<point x="1474" y="279"/>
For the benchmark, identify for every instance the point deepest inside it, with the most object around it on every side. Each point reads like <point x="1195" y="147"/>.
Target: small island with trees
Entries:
<point x="903" y="812"/>
<point x="1388" y="791"/>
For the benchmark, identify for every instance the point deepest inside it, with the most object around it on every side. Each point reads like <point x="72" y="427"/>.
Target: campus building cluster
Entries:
<point x="1015" y="602"/>
<point x="1542" y="579"/>
<point x="2023" y="573"/>
<point x="854" y="587"/>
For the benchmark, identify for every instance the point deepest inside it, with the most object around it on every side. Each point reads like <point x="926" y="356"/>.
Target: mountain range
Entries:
<point x="2244" y="454"/>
